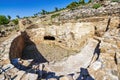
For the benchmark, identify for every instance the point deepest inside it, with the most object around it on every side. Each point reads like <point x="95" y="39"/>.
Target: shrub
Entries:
<point x="15" y="21"/>
<point x="96" y="6"/>
<point x="9" y="17"/>
<point x="3" y="20"/>
<point x="18" y="16"/>
<point x="43" y="12"/>
<point x="56" y="9"/>
<point x="81" y="2"/>
<point x="72" y="5"/>
<point x="89" y="1"/>
<point x="17" y="28"/>
<point x="115" y="0"/>
<point x="55" y="15"/>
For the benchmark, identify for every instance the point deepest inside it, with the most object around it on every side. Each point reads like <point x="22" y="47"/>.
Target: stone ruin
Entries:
<point x="69" y="51"/>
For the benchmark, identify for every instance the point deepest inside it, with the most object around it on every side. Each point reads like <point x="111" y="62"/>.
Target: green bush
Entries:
<point x="55" y="15"/>
<point x="72" y="5"/>
<point x="9" y="17"/>
<point x="81" y="2"/>
<point x="89" y="1"/>
<point x="3" y="20"/>
<point x="115" y="0"/>
<point x="15" y="21"/>
<point x="96" y="6"/>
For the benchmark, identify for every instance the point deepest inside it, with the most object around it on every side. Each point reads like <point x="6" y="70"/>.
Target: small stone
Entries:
<point x="96" y="65"/>
<point x="41" y="66"/>
<point x="25" y="63"/>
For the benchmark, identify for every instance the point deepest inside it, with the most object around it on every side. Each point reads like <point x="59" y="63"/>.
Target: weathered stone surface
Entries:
<point x="69" y="38"/>
<point x="76" y="75"/>
<point x="12" y="72"/>
<point x="6" y="46"/>
<point x="118" y="63"/>
<point x="5" y="62"/>
<point x="7" y="67"/>
<point x="96" y="65"/>
<point x="19" y="75"/>
<point x="30" y="76"/>
<point x="23" y="24"/>
<point x="109" y="55"/>
<point x="66" y="78"/>
<point x="52" y="79"/>
<point x="2" y="77"/>
<point x="82" y="59"/>
<point x="69" y="43"/>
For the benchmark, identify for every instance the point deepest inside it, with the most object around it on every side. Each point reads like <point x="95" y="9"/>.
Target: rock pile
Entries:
<point x="109" y="9"/>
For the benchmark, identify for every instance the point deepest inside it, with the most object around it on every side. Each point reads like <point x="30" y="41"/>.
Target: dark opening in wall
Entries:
<point x="49" y="38"/>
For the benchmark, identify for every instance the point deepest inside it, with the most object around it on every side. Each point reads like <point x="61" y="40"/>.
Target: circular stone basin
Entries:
<point x="46" y="51"/>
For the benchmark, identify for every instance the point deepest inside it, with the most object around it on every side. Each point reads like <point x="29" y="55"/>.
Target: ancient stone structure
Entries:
<point x="87" y="48"/>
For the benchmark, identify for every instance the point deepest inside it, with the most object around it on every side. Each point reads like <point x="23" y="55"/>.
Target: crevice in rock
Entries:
<point x="96" y="52"/>
<point x="49" y="38"/>
<point x="107" y="28"/>
<point x="115" y="59"/>
<point x="118" y="26"/>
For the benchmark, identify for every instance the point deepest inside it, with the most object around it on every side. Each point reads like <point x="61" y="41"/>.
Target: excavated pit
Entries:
<point x="46" y="51"/>
<point x="51" y="44"/>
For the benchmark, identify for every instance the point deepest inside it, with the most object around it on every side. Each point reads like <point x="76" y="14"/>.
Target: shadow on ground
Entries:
<point x="84" y="75"/>
<point x="27" y="52"/>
